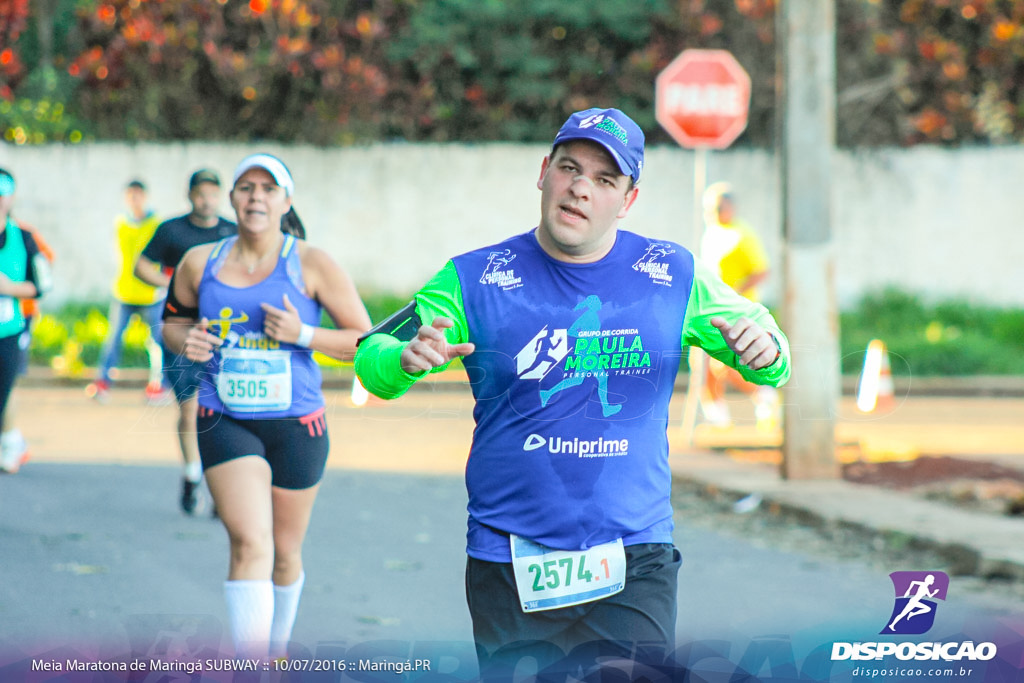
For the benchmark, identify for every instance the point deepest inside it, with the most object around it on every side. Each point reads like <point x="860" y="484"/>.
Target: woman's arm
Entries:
<point x="334" y="290"/>
<point x="184" y="333"/>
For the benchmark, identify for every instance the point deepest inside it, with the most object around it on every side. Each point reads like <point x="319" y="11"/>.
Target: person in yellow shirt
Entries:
<point x="132" y="297"/>
<point x="731" y="246"/>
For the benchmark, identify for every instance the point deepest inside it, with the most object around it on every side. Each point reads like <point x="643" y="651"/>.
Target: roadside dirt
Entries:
<point x="975" y="484"/>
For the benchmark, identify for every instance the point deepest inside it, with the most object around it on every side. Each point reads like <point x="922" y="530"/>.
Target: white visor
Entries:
<point x="271" y="165"/>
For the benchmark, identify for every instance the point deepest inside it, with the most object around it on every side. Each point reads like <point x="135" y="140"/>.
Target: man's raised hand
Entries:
<point x="430" y="349"/>
<point x="748" y="340"/>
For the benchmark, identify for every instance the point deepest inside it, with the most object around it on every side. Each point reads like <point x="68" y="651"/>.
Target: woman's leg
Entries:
<point x="241" y="491"/>
<point x="292" y="511"/>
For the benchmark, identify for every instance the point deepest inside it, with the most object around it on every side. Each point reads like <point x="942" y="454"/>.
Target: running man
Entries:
<point x="589" y="321"/>
<point x="570" y="518"/>
<point x="155" y="265"/>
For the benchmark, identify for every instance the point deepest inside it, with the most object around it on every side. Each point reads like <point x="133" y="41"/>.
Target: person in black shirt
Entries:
<point x="156" y="265"/>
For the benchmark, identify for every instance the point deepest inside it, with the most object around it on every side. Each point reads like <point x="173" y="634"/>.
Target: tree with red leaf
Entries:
<point x="13" y="18"/>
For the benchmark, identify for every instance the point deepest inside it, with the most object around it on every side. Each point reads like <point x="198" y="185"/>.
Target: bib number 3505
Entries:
<point x="251" y="381"/>
<point x="548" y="579"/>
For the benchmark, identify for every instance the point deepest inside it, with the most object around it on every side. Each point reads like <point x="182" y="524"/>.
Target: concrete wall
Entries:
<point x="942" y="223"/>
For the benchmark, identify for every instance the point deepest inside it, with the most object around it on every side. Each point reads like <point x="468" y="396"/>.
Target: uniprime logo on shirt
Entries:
<point x="916" y="593"/>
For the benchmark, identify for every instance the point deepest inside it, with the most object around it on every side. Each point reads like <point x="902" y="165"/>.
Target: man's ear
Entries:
<point x="627" y="203"/>
<point x="543" y="170"/>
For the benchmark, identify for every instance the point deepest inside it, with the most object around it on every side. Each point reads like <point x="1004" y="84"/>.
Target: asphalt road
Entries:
<point x="96" y="561"/>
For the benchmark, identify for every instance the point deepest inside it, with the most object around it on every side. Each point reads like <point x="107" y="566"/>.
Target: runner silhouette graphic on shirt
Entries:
<point x="547" y="351"/>
<point x="914" y="606"/>
<point x="588" y="321"/>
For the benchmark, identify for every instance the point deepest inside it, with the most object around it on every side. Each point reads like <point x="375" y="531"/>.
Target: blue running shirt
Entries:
<point x="573" y="373"/>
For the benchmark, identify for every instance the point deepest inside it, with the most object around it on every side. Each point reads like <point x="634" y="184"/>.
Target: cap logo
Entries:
<point x="608" y="125"/>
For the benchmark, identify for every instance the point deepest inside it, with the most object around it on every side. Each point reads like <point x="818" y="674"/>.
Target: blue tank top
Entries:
<point x="573" y="374"/>
<point x="251" y="375"/>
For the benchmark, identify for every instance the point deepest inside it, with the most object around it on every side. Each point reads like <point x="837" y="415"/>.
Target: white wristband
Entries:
<point x="305" y="336"/>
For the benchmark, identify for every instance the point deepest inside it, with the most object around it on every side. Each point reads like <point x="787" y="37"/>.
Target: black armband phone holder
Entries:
<point x="403" y="325"/>
<point x="173" y="307"/>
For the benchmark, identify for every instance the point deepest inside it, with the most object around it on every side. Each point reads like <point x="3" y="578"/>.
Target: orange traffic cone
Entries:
<point x="875" y="389"/>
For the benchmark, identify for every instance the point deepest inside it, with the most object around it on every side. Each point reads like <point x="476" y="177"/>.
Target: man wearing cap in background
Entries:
<point x="156" y="264"/>
<point x="571" y="334"/>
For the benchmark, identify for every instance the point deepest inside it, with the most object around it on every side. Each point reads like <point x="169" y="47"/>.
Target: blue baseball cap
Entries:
<point x="6" y="183"/>
<point x="614" y="131"/>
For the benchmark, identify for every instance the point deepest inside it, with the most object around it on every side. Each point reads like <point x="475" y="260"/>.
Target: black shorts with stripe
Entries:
<point x="296" y="448"/>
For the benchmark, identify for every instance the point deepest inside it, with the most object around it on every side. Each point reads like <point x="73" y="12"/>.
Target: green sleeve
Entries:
<point x="378" y="360"/>
<point x="711" y="297"/>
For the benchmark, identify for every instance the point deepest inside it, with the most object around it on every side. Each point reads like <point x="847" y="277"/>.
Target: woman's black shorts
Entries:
<point x="295" y="447"/>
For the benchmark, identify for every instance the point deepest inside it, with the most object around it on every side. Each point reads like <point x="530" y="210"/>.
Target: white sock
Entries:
<point x="156" y="360"/>
<point x="194" y="472"/>
<point x="250" y="613"/>
<point x="286" y="605"/>
<point x="12" y="438"/>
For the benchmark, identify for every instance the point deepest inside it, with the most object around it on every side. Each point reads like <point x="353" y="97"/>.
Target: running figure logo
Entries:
<point x="495" y="262"/>
<point x="588" y="321"/>
<point x="653" y="266"/>
<point x="916" y="592"/>
<point x="223" y="324"/>
<point x="654" y="252"/>
<point x="543" y="352"/>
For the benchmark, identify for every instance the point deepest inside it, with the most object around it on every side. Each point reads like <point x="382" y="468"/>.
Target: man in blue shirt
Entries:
<point x="572" y="334"/>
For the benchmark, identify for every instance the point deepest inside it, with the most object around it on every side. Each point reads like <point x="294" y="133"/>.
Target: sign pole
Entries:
<point x="696" y="358"/>
<point x="702" y="98"/>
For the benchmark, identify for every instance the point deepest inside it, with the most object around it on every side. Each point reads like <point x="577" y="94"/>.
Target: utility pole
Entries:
<point x="805" y="40"/>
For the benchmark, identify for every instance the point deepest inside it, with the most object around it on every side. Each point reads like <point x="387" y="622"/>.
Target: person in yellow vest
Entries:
<point x="731" y="246"/>
<point x="132" y="297"/>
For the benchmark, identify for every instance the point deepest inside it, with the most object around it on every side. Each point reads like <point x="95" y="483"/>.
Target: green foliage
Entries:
<point x="382" y="304"/>
<point x="948" y="338"/>
<point x="76" y="333"/>
<point x="28" y="121"/>
<point x="513" y="70"/>
<point x="332" y="72"/>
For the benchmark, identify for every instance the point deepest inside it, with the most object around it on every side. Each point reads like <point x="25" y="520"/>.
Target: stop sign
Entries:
<point x="702" y="98"/>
